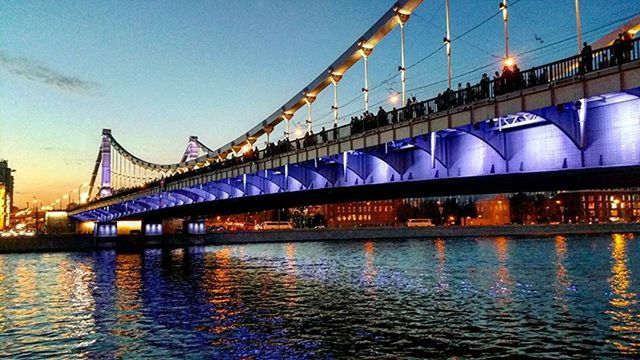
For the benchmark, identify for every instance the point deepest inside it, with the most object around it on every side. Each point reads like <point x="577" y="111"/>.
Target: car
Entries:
<point x="419" y="223"/>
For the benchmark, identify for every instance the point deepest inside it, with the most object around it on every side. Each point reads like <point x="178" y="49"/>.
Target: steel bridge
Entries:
<point x="562" y="125"/>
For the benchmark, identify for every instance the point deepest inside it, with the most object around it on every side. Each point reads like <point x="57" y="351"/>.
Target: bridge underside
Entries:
<point x="592" y="143"/>
<point x="603" y="178"/>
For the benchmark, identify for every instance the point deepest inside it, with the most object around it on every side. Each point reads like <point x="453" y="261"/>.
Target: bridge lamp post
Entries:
<point x="35" y="215"/>
<point x="335" y="79"/>
<point x="578" y="26"/>
<point x="447" y="41"/>
<point x="366" y="52"/>
<point x="81" y="194"/>
<point x="561" y="207"/>
<point x="505" y="19"/>
<point x="286" y="116"/>
<point x="309" y="99"/>
<point x="71" y="195"/>
<point x="402" y="18"/>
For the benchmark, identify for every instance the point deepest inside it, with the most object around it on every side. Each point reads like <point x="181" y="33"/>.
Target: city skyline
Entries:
<point x="59" y="94"/>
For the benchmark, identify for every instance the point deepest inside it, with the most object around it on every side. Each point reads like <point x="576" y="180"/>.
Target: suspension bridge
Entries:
<point x="570" y="124"/>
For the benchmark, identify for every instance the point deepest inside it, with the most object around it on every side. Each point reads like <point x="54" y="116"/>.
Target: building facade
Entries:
<point x="609" y="206"/>
<point x="492" y="211"/>
<point x="6" y="194"/>
<point x="361" y="213"/>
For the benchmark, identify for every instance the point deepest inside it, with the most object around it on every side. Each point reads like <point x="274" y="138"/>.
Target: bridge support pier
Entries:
<point x="195" y="227"/>
<point x="105" y="229"/>
<point x="152" y="228"/>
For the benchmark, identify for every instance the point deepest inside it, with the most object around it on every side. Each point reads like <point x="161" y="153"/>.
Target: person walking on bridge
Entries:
<point x="586" y="58"/>
<point x="382" y="117"/>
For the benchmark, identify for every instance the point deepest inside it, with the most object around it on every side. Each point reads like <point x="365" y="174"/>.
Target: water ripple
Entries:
<point x="470" y="298"/>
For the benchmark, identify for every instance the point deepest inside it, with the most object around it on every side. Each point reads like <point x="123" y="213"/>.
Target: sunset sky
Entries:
<point x="156" y="72"/>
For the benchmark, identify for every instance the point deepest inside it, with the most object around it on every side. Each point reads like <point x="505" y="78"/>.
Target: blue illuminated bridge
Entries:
<point x="562" y="125"/>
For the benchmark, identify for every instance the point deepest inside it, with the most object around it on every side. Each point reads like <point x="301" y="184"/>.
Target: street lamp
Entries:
<point x="559" y="203"/>
<point x="505" y="18"/>
<point x="35" y="214"/>
<point x="509" y="62"/>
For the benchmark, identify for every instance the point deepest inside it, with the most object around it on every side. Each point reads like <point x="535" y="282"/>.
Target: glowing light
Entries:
<point x="509" y="62"/>
<point x="299" y="131"/>
<point x="394" y="98"/>
<point x="245" y="148"/>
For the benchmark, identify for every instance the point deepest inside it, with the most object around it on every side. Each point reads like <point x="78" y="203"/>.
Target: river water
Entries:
<point x="468" y="297"/>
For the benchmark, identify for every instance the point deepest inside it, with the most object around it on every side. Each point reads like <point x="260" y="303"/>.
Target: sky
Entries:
<point x="156" y="72"/>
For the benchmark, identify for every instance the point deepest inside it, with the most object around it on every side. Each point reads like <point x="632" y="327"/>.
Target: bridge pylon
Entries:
<point x="105" y="156"/>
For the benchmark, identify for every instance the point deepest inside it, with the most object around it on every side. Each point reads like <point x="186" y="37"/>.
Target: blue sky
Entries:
<point x="156" y="72"/>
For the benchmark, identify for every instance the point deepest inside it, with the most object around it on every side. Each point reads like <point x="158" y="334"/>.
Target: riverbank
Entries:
<point x="74" y="242"/>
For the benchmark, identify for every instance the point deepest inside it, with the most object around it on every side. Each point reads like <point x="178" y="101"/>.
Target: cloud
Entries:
<point x="31" y="70"/>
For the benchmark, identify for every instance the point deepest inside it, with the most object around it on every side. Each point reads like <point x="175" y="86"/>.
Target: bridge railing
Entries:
<point x="508" y="82"/>
<point x="571" y="67"/>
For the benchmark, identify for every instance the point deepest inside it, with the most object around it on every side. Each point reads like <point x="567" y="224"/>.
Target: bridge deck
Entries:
<point x="441" y="154"/>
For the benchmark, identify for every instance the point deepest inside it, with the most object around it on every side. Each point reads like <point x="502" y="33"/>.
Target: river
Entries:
<point x="554" y="297"/>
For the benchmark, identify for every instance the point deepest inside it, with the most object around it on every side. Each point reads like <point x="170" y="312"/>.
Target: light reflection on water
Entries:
<point x="484" y="297"/>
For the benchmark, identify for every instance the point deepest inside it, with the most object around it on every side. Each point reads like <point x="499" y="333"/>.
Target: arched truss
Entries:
<point x="424" y="143"/>
<point x="562" y="117"/>
<point x="325" y="171"/>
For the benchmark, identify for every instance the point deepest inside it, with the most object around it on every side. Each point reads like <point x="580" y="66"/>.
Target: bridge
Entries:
<point x="563" y="125"/>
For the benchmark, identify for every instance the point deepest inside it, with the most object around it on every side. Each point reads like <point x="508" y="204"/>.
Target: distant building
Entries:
<point x="361" y="213"/>
<point x="492" y="211"/>
<point x="6" y="194"/>
<point x="609" y="205"/>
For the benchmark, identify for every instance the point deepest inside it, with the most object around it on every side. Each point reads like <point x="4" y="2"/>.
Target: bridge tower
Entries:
<point x="193" y="149"/>
<point x="105" y="154"/>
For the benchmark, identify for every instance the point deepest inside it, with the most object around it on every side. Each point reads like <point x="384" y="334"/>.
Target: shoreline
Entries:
<point x="87" y="243"/>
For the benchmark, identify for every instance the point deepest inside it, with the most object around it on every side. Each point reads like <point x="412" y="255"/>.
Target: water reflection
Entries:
<point x="128" y="283"/>
<point x="441" y="279"/>
<point x="3" y="295"/>
<point x="562" y="277"/>
<point x="465" y="298"/>
<point x="22" y="309"/>
<point x="504" y="284"/>
<point x="626" y="320"/>
<point x="369" y="273"/>
<point x="290" y="279"/>
<point x="220" y="287"/>
<point x="74" y="287"/>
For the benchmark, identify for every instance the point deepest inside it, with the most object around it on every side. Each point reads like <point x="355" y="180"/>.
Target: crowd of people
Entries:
<point x="510" y="79"/>
<point x="620" y="52"/>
